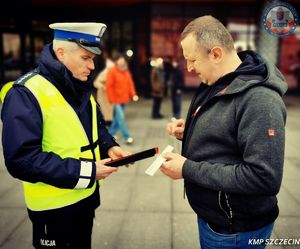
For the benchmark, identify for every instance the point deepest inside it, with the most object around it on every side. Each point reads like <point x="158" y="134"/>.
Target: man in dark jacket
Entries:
<point x="232" y="139"/>
<point x="54" y="138"/>
<point x="177" y="83"/>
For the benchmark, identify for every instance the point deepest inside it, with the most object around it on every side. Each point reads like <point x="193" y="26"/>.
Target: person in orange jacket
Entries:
<point x="120" y="91"/>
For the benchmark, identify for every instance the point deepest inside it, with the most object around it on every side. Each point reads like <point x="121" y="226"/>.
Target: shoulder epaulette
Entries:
<point x="21" y="81"/>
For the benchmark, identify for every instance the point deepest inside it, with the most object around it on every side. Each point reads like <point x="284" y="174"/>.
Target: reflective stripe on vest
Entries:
<point x="64" y="135"/>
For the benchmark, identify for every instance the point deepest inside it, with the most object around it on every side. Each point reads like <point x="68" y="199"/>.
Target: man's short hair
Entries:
<point x="209" y="32"/>
<point x="117" y="56"/>
<point x="70" y="46"/>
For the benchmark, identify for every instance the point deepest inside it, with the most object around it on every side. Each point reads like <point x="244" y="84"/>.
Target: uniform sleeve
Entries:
<point x="22" y="147"/>
<point x="106" y="141"/>
<point x="260" y="122"/>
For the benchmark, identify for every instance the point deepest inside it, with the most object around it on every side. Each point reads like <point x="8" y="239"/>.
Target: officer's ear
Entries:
<point x="60" y="53"/>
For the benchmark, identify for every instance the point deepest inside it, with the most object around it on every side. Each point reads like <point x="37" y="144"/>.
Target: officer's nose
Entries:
<point x="91" y="65"/>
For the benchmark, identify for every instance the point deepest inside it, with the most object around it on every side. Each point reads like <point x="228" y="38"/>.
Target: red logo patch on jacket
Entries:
<point x="271" y="132"/>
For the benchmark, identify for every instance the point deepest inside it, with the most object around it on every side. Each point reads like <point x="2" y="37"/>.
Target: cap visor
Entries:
<point x="94" y="50"/>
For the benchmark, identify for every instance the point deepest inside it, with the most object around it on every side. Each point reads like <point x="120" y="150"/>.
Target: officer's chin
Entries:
<point x="83" y="78"/>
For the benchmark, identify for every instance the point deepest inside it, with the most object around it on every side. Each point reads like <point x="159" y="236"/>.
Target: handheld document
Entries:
<point x="158" y="161"/>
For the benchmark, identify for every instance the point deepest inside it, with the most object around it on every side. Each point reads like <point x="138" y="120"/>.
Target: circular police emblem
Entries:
<point x="280" y="19"/>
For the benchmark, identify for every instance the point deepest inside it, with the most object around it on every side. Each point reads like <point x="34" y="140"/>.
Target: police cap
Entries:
<point x="85" y="34"/>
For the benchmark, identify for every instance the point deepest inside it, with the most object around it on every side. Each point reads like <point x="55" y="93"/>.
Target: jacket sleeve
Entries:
<point x="260" y="120"/>
<point x="106" y="141"/>
<point x="22" y="147"/>
<point x="181" y="79"/>
<point x="155" y="81"/>
<point x="131" y="85"/>
<point x="110" y="84"/>
<point x="99" y="80"/>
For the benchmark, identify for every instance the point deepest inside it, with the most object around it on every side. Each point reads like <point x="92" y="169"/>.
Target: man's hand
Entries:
<point x="173" y="166"/>
<point x="103" y="171"/>
<point x="176" y="128"/>
<point x="116" y="152"/>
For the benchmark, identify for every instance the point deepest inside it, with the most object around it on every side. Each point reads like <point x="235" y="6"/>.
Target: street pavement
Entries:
<point x="149" y="212"/>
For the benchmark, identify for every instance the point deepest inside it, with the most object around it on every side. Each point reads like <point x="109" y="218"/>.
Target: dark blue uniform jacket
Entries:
<point x="22" y="128"/>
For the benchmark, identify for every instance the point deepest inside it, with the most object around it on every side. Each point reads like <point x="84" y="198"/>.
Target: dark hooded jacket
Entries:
<point x="234" y="145"/>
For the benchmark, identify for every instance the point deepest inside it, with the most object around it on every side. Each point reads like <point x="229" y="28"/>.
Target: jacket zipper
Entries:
<point x="230" y="215"/>
<point x="192" y="115"/>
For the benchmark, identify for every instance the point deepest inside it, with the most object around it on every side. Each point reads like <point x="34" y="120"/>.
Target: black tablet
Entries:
<point x="132" y="158"/>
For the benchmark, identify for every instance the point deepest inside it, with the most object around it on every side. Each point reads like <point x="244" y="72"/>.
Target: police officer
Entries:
<point x="54" y="138"/>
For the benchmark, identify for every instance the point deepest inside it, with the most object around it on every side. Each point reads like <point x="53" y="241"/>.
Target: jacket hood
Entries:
<point x="62" y="78"/>
<point x="254" y="71"/>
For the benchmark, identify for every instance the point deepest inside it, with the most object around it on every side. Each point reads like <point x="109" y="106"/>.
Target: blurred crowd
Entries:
<point x="115" y="88"/>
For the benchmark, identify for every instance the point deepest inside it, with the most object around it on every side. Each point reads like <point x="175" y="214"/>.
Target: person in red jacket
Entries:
<point x="120" y="90"/>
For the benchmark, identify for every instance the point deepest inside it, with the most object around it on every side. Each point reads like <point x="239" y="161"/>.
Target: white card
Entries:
<point x="158" y="161"/>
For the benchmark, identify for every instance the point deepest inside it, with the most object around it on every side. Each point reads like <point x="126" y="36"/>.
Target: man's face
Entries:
<point x="121" y="63"/>
<point x="198" y="59"/>
<point x="80" y="62"/>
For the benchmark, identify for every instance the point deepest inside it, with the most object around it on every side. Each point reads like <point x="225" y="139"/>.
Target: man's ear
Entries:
<point x="60" y="53"/>
<point x="217" y="54"/>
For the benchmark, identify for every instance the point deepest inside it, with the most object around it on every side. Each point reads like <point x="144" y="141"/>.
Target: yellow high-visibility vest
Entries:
<point x="4" y="90"/>
<point x="64" y="135"/>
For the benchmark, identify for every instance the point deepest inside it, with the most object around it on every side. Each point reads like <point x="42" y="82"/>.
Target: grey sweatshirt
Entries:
<point x="234" y="147"/>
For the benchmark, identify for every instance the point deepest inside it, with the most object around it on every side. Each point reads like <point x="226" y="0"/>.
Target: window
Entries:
<point x="11" y="56"/>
